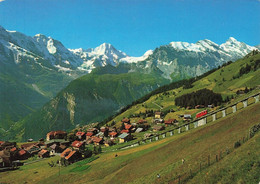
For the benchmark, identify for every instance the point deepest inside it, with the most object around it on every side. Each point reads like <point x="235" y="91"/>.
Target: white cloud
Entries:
<point x="1" y="1"/>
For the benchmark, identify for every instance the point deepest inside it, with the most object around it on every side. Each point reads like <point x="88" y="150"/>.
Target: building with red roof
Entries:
<point x="169" y="122"/>
<point x="81" y="135"/>
<point x="97" y="140"/>
<point x="44" y="153"/>
<point x="126" y="120"/>
<point x="113" y="134"/>
<point x="59" y="134"/>
<point x="78" y="145"/>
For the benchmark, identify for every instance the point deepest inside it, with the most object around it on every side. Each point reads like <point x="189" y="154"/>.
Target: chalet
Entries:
<point x="112" y="129"/>
<point x="124" y="137"/>
<point x="81" y="135"/>
<point x="56" y="149"/>
<point x="33" y="149"/>
<point x="94" y="131"/>
<point x="23" y="154"/>
<point x="56" y="135"/>
<point x="27" y="145"/>
<point x="157" y="128"/>
<point x="97" y="140"/>
<point x="43" y="153"/>
<point x="100" y="134"/>
<point x="78" y="145"/>
<point x="89" y="134"/>
<point x="128" y="126"/>
<point x="126" y="120"/>
<point x="169" y="122"/>
<point x="70" y="155"/>
<point x="199" y="106"/>
<point x="141" y="121"/>
<point x="108" y="143"/>
<point x="104" y="129"/>
<point x="113" y="134"/>
<point x="157" y="115"/>
<point x="124" y="131"/>
<point x="6" y="158"/>
<point x="138" y="130"/>
<point x="7" y="145"/>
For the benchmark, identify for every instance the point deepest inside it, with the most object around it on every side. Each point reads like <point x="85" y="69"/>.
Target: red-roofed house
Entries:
<point x="13" y="149"/>
<point x="169" y="122"/>
<point x="65" y="153"/>
<point x="81" y="135"/>
<point x="70" y="155"/>
<point x="126" y="120"/>
<point x="97" y="140"/>
<point x="142" y="121"/>
<point x="128" y="126"/>
<point x="113" y="134"/>
<point x="44" y="153"/>
<point x="23" y="154"/>
<point x="124" y="131"/>
<point x="78" y="145"/>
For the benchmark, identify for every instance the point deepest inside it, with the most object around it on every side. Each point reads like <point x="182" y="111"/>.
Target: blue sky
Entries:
<point x="134" y="26"/>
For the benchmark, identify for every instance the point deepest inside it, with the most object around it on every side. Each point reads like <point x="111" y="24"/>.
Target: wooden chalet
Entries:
<point x="113" y="134"/>
<point x="157" y="128"/>
<point x="81" y="135"/>
<point x="97" y="140"/>
<point x="124" y="137"/>
<point x="169" y="122"/>
<point x="126" y="120"/>
<point x="43" y="153"/>
<point x="78" y="145"/>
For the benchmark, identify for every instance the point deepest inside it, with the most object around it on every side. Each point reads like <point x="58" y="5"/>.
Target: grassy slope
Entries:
<point x="220" y="81"/>
<point x="143" y="163"/>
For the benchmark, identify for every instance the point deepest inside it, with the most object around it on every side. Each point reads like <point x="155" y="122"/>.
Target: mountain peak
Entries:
<point x="232" y="39"/>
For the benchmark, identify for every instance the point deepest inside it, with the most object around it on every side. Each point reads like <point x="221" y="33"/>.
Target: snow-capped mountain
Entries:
<point x="182" y="59"/>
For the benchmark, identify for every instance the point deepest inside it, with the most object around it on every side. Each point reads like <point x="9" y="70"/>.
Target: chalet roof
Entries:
<point x="77" y="144"/>
<point x="125" y="120"/>
<point x="65" y="152"/>
<point x="55" y="141"/>
<point x="127" y="126"/>
<point x="53" y="146"/>
<point x="113" y="133"/>
<point x="80" y="133"/>
<point x="27" y="145"/>
<point x="89" y="134"/>
<point x="13" y="149"/>
<point x="169" y="121"/>
<point x="22" y="152"/>
<point x="142" y="121"/>
<point x="42" y="152"/>
<point x="157" y="127"/>
<point x="124" y="131"/>
<point x="139" y="130"/>
<point x="70" y="155"/>
<point x="97" y="139"/>
<point x="123" y="135"/>
<point x="158" y="113"/>
<point x="91" y="129"/>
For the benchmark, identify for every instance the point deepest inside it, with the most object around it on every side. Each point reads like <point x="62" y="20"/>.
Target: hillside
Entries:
<point x="142" y="164"/>
<point x="87" y="99"/>
<point x="227" y="80"/>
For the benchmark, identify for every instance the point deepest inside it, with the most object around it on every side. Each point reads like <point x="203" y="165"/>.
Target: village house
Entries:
<point x="157" y="128"/>
<point x="89" y="135"/>
<point x="124" y="137"/>
<point x="147" y="135"/>
<point x="5" y="145"/>
<point x="43" y="153"/>
<point x="124" y="131"/>
<point x="138" y="130"/>
<point x="97" y="140"/>
<point x="78" y="145"/>
<point x="23" y="154"/>
<point x="126" y="120"/>
<point x="141" y="121"/>
<point x="81" y="135"/>
<point x="55" y="148"/>
<point x="56" y="135"/>
<point x="169" y="122"/>
<point x="113" y="135"/>
<point x="157" y="115"/>
<point x="108" y="143"/>
<point x="70" y="155"/>
<point x="94" y="131"/>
